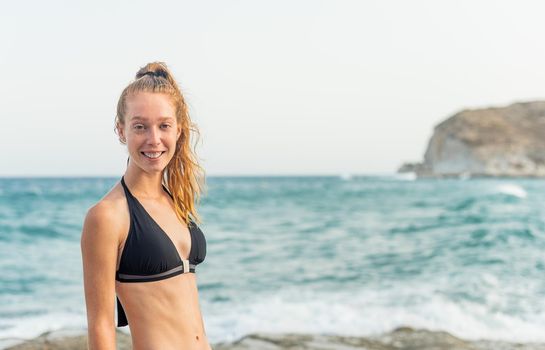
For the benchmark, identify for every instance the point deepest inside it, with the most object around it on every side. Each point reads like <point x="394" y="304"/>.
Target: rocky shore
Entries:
<point x="400" y="339"/>
<point x="490" y="142"/>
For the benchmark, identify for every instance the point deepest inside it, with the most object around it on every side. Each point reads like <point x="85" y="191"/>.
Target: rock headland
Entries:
<point x="491" y="142"/>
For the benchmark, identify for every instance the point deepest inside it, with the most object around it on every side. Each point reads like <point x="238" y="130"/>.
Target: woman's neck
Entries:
<point x="144" y="185"/>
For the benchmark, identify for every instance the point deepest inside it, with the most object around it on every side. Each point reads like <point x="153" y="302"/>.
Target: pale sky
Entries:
<point x="276" y="87"/>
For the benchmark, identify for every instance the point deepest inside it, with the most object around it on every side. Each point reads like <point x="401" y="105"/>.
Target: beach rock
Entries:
<point x="404" y="338"/>
<point x="68" y="340"/>
<point x="499" y="141"/>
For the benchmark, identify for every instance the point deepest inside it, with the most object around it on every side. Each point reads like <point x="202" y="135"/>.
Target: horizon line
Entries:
<point x="340" y="174"/>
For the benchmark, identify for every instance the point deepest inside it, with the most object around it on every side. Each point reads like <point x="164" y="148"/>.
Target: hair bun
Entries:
<point x="160" y="73"/>
<point x="155" y="69"/>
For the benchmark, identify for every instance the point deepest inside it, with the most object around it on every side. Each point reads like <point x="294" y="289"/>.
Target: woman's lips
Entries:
<point x="152" y="155"/>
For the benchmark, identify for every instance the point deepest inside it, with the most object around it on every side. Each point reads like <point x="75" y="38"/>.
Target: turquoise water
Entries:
<point x="356" y="256"/>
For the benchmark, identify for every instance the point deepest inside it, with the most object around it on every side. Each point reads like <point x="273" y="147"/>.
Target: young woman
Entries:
<point x="140" y="244"/>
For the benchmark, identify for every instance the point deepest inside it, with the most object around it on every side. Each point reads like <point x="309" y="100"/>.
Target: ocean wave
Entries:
<point x="512" y="190"/>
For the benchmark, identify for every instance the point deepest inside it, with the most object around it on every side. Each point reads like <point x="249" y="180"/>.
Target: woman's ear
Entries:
<point x="121" y="133"/>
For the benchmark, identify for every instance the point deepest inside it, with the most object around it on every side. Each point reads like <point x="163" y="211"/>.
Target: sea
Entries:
<point x="348" y="255"/>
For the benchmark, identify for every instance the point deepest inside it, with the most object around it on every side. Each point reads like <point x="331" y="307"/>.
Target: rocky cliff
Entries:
<point x="503" y="141"/>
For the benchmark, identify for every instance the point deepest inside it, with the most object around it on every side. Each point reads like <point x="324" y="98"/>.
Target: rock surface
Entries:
<point x="400" y="339"/>
<point x="505" y="141"/>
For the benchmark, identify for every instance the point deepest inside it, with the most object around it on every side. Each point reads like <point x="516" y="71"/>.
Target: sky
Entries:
<point x="276" y="87"/>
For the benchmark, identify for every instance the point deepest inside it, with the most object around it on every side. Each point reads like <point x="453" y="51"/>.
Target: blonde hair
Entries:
<point x="184" y="177"/>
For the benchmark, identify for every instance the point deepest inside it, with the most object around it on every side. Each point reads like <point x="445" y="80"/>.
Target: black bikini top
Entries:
<point x="149" y="254"/>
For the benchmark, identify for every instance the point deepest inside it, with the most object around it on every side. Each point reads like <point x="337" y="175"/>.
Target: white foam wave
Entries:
<point x="367" y="313"/>
<point x="17" y="330"/>
<point x="512" y="190"/>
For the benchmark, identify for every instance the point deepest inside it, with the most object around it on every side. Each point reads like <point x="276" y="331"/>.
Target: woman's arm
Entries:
<point x="99" y="242"/>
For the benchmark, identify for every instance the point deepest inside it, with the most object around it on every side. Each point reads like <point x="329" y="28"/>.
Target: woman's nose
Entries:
<point x="154" y="137"/>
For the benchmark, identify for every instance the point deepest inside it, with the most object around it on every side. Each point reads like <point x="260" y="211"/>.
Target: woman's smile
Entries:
<point x="153" y="155"/>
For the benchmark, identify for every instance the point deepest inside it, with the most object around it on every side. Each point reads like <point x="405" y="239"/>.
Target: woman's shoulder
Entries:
<point x="110" y="204"/>
<point x="109" y="212"/>
<point x="101" y="235"/>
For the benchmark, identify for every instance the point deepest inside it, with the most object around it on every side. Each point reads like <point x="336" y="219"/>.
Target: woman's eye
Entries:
<point x="165" y="126"/>
<point x="138" y="126"/>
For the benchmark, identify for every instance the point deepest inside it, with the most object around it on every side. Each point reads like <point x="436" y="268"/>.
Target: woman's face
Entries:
<point x="150" y="130"/>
